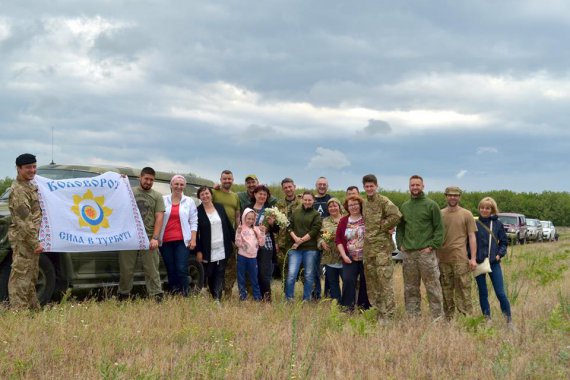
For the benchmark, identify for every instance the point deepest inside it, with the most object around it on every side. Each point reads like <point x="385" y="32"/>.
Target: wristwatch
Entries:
<point x="155" y="237"/>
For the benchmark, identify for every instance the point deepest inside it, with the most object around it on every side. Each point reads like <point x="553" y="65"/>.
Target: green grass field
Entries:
<point x="197" y="339"/>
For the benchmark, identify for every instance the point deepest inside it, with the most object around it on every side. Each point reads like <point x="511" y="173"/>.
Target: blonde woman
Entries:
<point x="491" y="231"/>
<point x="178" y="235"/>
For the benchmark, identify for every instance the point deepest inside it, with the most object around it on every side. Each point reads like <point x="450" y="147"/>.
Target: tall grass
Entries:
<point x="195" y="338"/>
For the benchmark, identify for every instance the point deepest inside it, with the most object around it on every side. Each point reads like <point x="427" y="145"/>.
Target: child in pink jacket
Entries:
<point x="248" y="240"/>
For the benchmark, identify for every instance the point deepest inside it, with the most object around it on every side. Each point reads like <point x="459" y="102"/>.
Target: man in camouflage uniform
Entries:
<point x="23" y="235"/>
<point x="380" y="216"/>
<point x="286" y="205"/>
<point x="419" y="234"/>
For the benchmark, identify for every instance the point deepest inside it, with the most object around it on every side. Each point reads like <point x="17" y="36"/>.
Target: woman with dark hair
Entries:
<point x="267" y="254"/>
<point x="304" y="229"/>
<point x="491" y="243"/>
<point x="350" y="243"/>
<point x="214" y="244"/>
<point x="326" y="243"/>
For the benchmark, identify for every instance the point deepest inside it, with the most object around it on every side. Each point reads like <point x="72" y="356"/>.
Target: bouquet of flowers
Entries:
<point x="280" y="218"/>
<point x="328" y="236"/>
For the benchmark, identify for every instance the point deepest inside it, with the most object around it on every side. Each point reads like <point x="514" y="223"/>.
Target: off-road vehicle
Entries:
<point x="515" y="226"/>
<point x="89" y="270"/>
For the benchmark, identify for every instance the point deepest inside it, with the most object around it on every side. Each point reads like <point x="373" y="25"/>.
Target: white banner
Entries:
<point x="90" y="214"/>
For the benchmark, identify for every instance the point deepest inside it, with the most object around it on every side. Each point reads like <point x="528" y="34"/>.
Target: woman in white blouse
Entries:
<point x="178" y="235"/>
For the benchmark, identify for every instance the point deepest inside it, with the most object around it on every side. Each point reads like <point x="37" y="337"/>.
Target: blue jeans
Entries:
<point x="296" y="258"/>
<point x="175" y="255"/>
<point x="497" y="281"/>
<point x="332" y="277"/>
<point x="247" y="265"/>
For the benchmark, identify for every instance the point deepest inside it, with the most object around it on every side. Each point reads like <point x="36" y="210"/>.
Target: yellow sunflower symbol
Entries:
<point x="91" y="211"/>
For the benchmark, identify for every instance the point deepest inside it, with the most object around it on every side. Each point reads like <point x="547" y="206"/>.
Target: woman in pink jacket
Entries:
<point x="248" y="240"/>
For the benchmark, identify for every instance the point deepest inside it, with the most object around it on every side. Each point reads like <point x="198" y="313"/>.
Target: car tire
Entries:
<point x="4" y="277"/>
<point x="46" y="280"/>
<point x="523" y="240"/>
<point x="44" y="287"/>
<point x="195" y="275"/>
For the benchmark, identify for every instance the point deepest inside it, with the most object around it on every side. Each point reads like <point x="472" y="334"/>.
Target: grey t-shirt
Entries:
<point x="149" y="203"/>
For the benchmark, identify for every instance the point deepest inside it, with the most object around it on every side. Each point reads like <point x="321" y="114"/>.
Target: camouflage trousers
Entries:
<point x="418" y="267"/>
<point x="456" y="286"/>
<point x="379" y="274"/>
<point x="127" y="263"/>
<point x="23" y="278"/>
<point x="230" y="276"/>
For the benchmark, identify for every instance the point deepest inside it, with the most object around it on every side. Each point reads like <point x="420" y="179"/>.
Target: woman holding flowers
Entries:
<point x="326" y="243"/>
<point x="267" y="254"/>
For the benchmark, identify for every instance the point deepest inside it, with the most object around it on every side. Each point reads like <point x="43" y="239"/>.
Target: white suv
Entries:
<point x="548" y="230"/>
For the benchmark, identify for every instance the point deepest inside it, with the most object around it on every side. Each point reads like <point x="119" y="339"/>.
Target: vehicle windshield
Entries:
<point x="64" y="174"/>
<point x="545" y="224"/>
<point x="508" y="219"/>
<point x="6" y="195"/>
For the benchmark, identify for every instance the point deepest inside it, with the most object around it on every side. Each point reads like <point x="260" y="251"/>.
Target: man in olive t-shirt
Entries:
<point x="454" y="265"/>
<point x="230" y="201"/>
<point x="151" y="207"/>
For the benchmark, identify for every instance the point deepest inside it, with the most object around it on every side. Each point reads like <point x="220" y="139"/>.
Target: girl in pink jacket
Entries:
<point x="248" y="240"/>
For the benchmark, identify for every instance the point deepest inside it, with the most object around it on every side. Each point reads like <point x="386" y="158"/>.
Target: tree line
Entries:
<point x="548" y="205"/>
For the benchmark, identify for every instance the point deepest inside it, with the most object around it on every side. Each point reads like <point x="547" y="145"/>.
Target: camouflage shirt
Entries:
<point x="286" y="207"/>
<point x="380" y="216"/>
<point x="26" y="214"/>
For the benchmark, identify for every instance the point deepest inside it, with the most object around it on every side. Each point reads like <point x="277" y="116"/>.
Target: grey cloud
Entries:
<point x="328" y="159"/>
<point x="377" y="127"/>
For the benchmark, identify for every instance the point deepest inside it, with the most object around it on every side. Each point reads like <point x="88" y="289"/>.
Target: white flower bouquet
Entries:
<point x="280" y="218"/>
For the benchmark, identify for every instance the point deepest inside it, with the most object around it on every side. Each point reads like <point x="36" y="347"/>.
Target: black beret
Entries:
<point x="25" y="159"/>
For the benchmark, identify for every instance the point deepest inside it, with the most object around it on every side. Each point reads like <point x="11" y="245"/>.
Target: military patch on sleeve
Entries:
<point x="22" y="211"/>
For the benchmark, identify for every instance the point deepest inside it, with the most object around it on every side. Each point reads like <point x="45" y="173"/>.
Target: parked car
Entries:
<point x="90" y="270"/>
<point x="515" y="226"/>
<point x="548" y="230"/>
<point x="534" y="230"/>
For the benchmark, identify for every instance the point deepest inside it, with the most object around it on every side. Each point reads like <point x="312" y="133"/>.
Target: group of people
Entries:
<point x="236" y="237"/>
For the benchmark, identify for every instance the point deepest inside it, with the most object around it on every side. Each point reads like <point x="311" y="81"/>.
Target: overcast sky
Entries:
<point x="467" y="93"/>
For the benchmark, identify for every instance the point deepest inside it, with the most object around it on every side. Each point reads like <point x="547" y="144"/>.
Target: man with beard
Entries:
<point x="454" y="265"/>
<point x="227" y="198"/>
<point x="419" y="234"/>
<point x="246" y="197"/>
<point x="151" y="207"/>
<point x="286" y="205"/>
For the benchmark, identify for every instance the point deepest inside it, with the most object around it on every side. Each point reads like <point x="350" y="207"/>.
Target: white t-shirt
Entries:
<point x="218" y="253"/>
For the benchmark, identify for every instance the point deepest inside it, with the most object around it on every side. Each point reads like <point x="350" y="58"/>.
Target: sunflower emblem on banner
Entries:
<point x="91" y="211"/>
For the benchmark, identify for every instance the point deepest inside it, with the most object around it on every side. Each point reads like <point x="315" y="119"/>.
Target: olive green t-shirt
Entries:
<point x="230" y="201"/>
<point x="458" y="225"/>
<point x="149" y="203"/>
